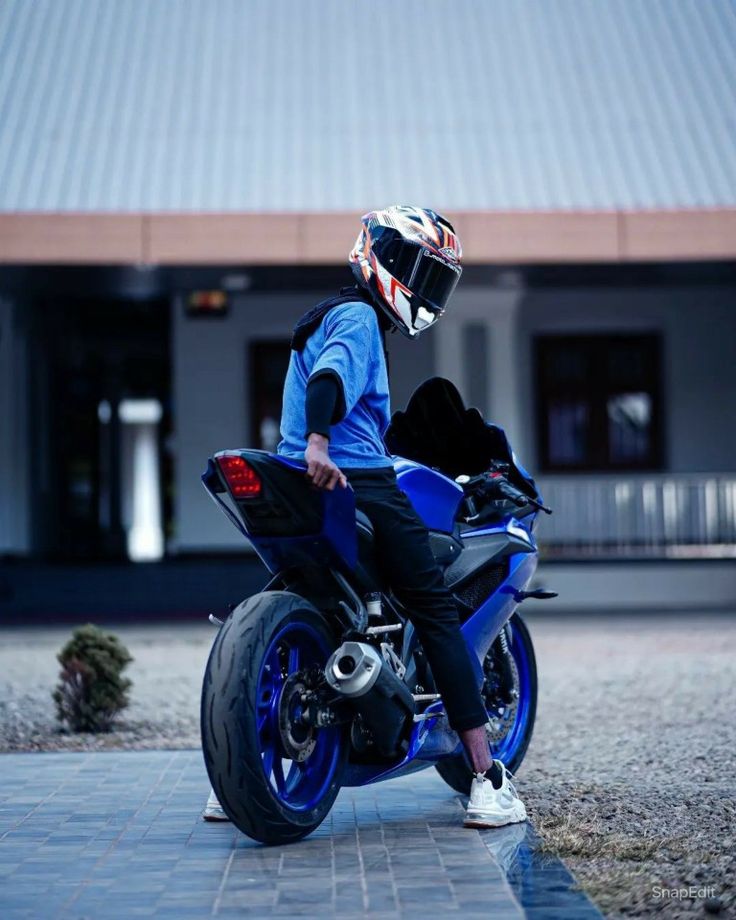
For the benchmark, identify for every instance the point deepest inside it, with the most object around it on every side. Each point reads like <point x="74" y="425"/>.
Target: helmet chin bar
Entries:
<point x="403" y="308"/>
<point x="413" y="325"/>
<point x="426" y="318"/>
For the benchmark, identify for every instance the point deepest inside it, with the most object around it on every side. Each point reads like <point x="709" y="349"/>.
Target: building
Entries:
<point x="179" y="181"/>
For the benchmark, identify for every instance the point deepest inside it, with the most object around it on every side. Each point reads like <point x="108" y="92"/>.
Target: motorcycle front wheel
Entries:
<point x="512" y="737"/>
<point x="276" y="777"/>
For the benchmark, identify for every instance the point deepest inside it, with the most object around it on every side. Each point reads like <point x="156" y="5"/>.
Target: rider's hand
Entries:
<point x="321" y="471"/>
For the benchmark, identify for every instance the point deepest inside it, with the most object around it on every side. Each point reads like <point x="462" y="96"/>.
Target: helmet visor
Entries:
<point x="428" y="276"/>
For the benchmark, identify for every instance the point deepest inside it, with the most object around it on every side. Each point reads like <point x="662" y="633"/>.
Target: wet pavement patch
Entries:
<point x="541" y="883"/>
<point x="119" y="835"/>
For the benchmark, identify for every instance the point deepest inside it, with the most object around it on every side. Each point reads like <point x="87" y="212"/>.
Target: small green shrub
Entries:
<point x="91" y="689"/>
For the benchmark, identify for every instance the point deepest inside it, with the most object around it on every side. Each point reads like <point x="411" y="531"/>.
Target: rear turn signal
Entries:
<point x="243" y="480"/>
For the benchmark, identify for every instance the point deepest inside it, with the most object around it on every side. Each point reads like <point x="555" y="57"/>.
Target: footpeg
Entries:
<point x="380" y="630"/>
<point x="538" y="595"/>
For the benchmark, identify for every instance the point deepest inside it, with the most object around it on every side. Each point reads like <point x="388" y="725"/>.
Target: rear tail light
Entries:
<point x="240" y="476"/>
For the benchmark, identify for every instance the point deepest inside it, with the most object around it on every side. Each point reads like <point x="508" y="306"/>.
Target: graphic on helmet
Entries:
<point x="409" y="260"/>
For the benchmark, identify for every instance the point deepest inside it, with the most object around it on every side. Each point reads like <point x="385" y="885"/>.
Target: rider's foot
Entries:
<point x="213" y="810"/>
<point x="494" y="801"/>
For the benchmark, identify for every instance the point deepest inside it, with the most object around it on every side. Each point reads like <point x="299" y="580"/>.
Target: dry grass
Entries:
<point x="619" y="869"/>
<point x="569" y="836"/>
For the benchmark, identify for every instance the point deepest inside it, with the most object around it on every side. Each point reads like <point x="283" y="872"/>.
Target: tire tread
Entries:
<point x="228" y="721"/>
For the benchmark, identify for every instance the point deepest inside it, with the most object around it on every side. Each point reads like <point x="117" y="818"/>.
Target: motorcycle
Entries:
<point x="318" y="681"/>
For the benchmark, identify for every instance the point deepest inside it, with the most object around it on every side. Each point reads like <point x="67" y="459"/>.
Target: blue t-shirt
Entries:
<point x="348" y="341"/>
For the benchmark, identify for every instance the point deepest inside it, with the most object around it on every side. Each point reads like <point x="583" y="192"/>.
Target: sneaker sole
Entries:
<point x="215" y="818"/>
<point x="493" y="820"/>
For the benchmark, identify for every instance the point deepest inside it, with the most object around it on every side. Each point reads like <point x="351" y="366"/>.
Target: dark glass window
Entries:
<point x="598" y="402"/>
<point x="268" y="364"/>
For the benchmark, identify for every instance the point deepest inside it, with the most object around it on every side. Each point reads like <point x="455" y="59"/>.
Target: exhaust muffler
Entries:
<point x="358" y="672"/>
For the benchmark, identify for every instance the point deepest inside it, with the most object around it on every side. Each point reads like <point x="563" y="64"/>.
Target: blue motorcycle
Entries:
<point x="318" y="681"/>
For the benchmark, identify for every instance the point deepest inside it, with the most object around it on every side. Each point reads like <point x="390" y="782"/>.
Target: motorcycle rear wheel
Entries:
<point x="251" y="747"/>
<point x="454" y="770"/>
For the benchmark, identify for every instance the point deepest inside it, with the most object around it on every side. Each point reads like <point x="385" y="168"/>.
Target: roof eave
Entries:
<point x="314" y="238"/>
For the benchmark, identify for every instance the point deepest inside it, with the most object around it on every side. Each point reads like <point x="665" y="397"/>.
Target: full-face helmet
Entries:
<point x="409" y="260"/>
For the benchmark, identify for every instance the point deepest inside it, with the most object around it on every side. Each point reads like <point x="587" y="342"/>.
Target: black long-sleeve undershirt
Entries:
<point x="325" y="403"/>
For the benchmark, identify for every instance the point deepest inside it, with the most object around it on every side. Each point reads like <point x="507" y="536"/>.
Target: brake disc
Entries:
<point x="298" y="738"/>
<point x="501" y="706"/>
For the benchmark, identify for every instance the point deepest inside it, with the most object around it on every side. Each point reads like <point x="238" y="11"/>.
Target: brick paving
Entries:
<point x="107" y="835"/>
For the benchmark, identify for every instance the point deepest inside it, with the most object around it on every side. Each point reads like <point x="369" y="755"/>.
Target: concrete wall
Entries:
<point x="596" y="587"/>
<point x="211" y="399"/>
<point x="14" y="505"/>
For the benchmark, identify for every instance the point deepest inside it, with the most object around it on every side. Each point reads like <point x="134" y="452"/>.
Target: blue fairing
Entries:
<point x="485" y="624"/>
<point x="519" y="529"/>
<point x="434" y="496"/>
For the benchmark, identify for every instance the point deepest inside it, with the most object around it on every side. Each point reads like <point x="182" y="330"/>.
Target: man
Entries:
<point x="406" y="262"/>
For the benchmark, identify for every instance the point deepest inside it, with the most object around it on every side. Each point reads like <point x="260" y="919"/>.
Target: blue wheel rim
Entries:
<point x="298" y="786"/>
<point x="508" y="747"/>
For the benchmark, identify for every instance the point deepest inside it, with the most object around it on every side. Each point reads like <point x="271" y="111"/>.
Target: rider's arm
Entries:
<point x="322" y="409"/>
<point x="350" y="342"/>
<point x="325" y="404"/>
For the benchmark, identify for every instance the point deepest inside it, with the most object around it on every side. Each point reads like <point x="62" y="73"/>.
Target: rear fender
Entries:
<point x="327" y="536"/>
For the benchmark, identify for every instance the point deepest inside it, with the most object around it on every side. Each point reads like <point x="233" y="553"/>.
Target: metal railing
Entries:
<point x="640" y="515"/>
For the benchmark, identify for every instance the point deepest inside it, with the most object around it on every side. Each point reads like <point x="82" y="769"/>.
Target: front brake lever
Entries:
<point x="519" y="498"/>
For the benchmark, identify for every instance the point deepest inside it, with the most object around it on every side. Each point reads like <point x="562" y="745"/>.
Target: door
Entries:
<point x="99" y="361"/>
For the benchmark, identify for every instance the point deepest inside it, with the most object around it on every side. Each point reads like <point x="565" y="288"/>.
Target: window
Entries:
<point x="268" y="364"/>
<point x="598" y="402"/>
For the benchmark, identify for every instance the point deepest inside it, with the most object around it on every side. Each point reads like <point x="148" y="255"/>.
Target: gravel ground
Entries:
<point x="631" y="774"/>
<point x="629" y="778"/>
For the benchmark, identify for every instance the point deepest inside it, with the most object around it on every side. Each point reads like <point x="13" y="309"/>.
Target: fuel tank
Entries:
<point x="434" y="496"/>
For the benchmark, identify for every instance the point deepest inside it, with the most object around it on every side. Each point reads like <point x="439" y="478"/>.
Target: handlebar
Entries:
<point x="493" y="485"/>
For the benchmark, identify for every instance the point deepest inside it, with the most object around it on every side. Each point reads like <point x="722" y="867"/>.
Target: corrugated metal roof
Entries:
<point x="220" y="105"/>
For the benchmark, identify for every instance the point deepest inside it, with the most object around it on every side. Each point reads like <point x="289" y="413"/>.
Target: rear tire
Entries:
<point x="241" y="707"/>
<point x="454" y="770"/>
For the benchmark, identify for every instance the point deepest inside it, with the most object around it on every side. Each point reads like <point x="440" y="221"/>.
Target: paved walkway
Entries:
<point x="108" y="835"/>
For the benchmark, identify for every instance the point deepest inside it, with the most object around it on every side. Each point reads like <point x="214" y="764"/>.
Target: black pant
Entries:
<point x="405" y="556"/>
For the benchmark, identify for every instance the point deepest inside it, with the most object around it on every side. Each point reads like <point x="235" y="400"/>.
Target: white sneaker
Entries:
<point x="213" y="810"/>
<point x="489" y="807"/>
